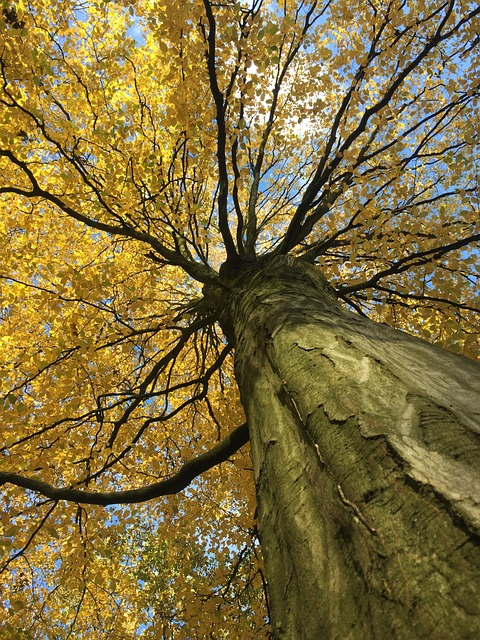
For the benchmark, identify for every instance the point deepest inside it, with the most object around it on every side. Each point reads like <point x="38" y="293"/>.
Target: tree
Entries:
<point x="240" y="213"/>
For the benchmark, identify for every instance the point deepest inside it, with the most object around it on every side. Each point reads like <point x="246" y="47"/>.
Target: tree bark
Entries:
<point x="366" y="452"/>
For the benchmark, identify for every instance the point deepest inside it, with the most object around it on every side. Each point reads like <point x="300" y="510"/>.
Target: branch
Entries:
<point x="30" y="538"/>
<point x="251" y="226"/>
<point x="407" y="262"/>
<point x="198" y="271"/>
<point x="220" y="105"/>
<point x="176" y="483"/>
<point x="154" y="373"/>
<point x="423" y="297"/>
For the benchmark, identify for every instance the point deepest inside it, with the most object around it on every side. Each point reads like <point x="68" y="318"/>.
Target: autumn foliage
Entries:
<point x="143" y="145"/>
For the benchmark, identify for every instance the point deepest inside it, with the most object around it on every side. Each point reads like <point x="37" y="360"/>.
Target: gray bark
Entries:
<point x="366" y="452"/>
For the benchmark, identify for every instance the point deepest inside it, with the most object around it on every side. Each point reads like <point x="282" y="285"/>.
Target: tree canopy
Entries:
<point x="149" y="150"/>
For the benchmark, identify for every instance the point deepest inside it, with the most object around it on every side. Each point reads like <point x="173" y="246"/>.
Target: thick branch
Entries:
<point x="221" y="136"/>
<point x="176" y="483"/>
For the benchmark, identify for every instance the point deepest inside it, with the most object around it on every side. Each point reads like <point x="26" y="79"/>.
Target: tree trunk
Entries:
<point x="366" y="451"/>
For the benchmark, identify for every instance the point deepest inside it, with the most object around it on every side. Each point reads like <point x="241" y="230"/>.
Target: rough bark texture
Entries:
<point x="366" y="450"/>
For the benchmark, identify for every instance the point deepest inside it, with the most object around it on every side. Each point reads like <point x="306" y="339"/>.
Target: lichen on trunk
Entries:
<point x="366" y="451"/>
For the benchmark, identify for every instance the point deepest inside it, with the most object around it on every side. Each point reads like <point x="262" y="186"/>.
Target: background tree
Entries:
<point x="175" y="180"/>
